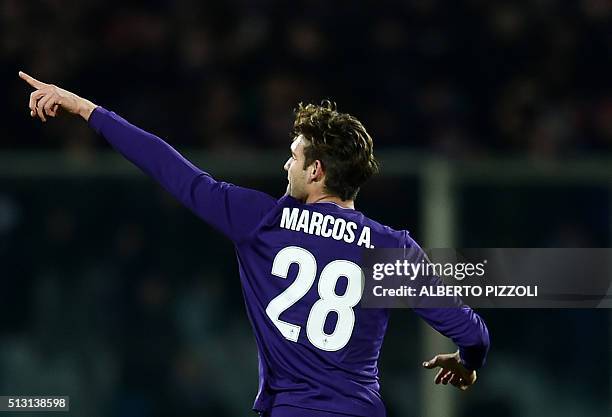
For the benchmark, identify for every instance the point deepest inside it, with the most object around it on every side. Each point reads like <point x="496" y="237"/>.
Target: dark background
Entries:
<point x="115" y="295"/>
<point x="464" y="78"/>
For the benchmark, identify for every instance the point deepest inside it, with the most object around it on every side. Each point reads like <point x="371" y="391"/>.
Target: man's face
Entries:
<point x="296" y="174"/>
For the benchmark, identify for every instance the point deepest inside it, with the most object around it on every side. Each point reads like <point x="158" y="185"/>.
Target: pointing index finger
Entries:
<point x="31" y="80"/>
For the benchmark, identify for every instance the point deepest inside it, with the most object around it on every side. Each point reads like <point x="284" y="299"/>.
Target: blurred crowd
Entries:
<point x="461" y="78"/>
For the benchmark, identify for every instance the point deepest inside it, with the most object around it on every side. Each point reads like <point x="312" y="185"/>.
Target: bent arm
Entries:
<point x="449" y="315"/>
<point x="465" y="328"/>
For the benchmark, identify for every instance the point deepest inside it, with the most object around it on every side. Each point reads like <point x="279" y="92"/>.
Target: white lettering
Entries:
<point x="364" y="239"/>
<point x="315" y="223"/>
<point x="349" y="237"/>
<point x="303" y="222"/>
<point x="289" y="218"/>
<point x="326" y="231"/>
<point x="339" y="227"/>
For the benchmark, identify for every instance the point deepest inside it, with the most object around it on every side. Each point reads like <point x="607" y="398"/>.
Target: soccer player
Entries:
<point x="292" y="252"/>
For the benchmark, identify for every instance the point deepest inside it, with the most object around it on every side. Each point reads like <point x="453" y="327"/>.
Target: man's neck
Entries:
<point x="350" y="204"/>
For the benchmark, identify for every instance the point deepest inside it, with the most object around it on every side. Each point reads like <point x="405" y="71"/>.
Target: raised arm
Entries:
<point x="235" y="211"/>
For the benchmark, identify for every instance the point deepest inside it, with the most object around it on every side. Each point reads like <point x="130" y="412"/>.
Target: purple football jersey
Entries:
<point x="301" y="281"/>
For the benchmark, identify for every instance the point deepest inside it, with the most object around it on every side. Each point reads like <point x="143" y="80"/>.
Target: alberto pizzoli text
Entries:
<point x="458" y="291"/>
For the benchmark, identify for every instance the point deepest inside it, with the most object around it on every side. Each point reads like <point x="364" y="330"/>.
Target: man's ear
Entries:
<point x="316" y="171"/>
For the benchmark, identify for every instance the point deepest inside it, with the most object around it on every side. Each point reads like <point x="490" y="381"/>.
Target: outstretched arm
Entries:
<point x="235" y="211"/>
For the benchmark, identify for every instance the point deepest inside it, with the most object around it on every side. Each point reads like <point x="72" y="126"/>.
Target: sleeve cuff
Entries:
<point x="97" y="117"/>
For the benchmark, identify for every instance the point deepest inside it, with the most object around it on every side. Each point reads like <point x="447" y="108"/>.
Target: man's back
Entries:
<point x="302" y="285"/>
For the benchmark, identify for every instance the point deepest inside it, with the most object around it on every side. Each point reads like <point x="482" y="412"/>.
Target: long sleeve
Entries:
<point x="465" y="328"/>
<point x="233" y="210"/>
<point x="454" y="320"/>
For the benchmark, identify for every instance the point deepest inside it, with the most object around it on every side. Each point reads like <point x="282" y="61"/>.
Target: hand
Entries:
<point x="452" y="371"/>
<point x="48" y="99"/>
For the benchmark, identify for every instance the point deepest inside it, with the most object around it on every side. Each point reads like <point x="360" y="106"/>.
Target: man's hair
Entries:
<point x="342" y="145"/>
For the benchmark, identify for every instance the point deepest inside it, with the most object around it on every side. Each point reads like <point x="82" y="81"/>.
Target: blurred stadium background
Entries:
<point x="493" y="120"/>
